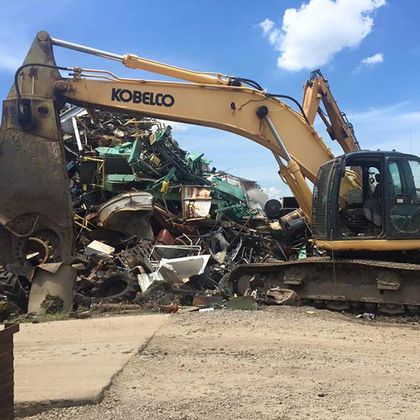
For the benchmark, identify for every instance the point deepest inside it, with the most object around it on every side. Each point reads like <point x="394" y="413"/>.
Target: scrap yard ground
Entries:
<point x="275" y="363"/>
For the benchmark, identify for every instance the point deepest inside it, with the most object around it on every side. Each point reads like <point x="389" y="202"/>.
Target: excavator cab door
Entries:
<point x="368" y="195"/>
<point x="404" y="197"/>
<point x="360" y="203"/>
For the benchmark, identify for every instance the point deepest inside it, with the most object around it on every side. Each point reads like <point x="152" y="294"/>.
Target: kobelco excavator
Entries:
<point x="364" y="211"/>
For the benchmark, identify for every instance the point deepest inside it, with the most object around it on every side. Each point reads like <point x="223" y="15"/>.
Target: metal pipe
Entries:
<point x="290" y="172"/>
<point x="77" y="134"/>
<point x="278" y="160"/>
<point x="135" y="62"/>
<point x="277" y="137"/>
<point x="88" y="50"/>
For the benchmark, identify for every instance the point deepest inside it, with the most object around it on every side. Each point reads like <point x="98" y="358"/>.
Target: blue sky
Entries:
<point x="368" y="49"/>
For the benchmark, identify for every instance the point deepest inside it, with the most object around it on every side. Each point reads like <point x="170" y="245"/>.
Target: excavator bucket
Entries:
<point x="36" y="220"/>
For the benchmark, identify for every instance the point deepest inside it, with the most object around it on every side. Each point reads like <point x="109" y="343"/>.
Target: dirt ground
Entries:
<point x="276" y="363"/>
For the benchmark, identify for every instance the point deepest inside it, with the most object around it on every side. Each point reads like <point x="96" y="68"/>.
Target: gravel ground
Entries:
<point x="277" y="363"/>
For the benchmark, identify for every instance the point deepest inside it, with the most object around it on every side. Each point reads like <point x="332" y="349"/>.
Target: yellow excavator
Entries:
<point x="364" y="212"/>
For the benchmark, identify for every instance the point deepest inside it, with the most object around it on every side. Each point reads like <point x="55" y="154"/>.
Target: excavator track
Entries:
<point x="340" y="284"/>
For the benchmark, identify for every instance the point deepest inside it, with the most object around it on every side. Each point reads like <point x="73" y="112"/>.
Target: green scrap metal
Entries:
<point x="229" y="189"/>
<point x="154" y="162"/>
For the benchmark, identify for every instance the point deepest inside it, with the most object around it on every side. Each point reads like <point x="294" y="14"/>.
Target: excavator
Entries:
<point x="363" y="212"/>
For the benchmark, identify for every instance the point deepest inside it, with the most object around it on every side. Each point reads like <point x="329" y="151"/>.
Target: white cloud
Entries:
<point x="379" y="112"/>
<point x="276" y="192"/>
<point x="311" y="35"/>
<point x="372" y="60"/>
<point x="390" y="127"/>
<point x="266" y="25"/>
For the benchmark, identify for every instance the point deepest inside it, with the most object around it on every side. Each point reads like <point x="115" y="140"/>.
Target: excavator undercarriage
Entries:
<point x="338" y="284"/>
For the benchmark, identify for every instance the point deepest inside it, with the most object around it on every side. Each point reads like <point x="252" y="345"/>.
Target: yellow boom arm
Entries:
<point x="240" y="110"/>
<point x="209" y="99"/>
<point x="317" y="90"/>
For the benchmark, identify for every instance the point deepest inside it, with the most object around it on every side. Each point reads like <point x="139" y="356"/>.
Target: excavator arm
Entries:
<point x="35" y="199"/>
<point x="317" y="91"/>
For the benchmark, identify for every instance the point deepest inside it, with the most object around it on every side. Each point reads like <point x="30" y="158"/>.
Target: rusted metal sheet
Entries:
<point x="54" y="279"/>
<point x="196" y="201"/>
<point x="7" y="372"/>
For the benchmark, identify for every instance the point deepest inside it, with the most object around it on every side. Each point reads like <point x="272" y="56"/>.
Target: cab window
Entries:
<point x="404" y="195"/>
<point x="360" y="200"/>
<point x="415" y="170"/>
<point x="396" y="184"/>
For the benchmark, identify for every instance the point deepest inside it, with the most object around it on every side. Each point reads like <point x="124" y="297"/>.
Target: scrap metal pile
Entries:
<point x="155" y="225"/>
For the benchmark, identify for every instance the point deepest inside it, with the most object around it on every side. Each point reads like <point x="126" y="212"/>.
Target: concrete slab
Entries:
<point x="71" y="362"/>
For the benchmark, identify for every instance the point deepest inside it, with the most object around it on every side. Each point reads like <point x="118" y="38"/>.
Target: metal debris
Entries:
<point x="99" y="248"/>
<point x="247" y="303"/>
<point x="155" y="226"/>
<point x="52" y="304"/>
<point x="49" y="282"/>
<point x="279" y="296"/>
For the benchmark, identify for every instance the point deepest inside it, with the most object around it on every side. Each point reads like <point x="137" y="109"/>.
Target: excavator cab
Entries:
<point x="367" y="196"/>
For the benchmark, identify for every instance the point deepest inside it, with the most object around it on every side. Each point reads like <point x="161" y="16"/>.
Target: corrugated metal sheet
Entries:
<point x="7" y="372"/>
